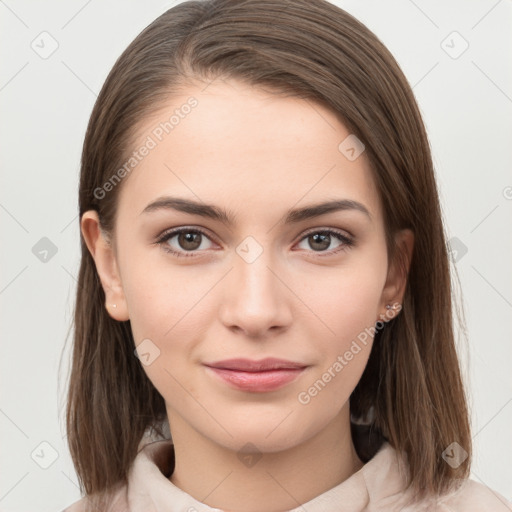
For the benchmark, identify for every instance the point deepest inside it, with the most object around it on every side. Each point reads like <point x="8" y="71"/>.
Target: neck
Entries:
<point x="279" y="481"/>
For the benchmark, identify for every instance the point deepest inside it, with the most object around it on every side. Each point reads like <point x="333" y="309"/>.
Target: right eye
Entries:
<point x="187" y="240"/>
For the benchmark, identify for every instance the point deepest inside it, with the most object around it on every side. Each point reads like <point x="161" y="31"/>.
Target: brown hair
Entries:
<point x="313" y="50"/>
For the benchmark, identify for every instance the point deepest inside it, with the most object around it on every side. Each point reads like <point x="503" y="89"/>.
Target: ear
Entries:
<point x="398" y="271"/>
<point x="102" y="251"/>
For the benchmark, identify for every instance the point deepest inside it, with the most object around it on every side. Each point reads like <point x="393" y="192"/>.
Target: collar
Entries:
<point x="378" y="485"/>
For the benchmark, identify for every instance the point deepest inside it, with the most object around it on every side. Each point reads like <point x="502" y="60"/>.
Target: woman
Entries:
<point x="264" y="276"/>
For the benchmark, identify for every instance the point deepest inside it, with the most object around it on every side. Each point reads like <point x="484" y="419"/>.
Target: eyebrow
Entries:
<point x="214" y="212"/>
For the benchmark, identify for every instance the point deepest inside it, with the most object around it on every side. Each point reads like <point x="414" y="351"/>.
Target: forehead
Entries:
<point x="240" y="146"/>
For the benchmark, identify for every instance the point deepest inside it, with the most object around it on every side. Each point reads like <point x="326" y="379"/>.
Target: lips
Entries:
<point x="256" y="376"/>
<point x="248" y="365"/>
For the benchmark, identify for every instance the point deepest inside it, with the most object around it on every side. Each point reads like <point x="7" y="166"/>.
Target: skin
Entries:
<point x="256" y="155"/>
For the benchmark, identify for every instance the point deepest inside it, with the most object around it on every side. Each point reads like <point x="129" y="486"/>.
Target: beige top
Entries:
<point x="377" y="486"/>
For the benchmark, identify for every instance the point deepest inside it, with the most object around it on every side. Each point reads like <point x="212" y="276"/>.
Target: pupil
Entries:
<point x="324" y="240"/>
<point x="189" y="240"/>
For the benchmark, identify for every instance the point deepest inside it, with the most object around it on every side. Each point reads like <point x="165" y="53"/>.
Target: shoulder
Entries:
<point x="386" y="480"/>
<point x="152" y="455"/>
<point x="472" y="496"/>
<point x="117" y="503"/>
<point x="78" y="506"/>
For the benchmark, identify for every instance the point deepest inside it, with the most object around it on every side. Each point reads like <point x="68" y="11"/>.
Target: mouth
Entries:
<point x="256" y="376"/>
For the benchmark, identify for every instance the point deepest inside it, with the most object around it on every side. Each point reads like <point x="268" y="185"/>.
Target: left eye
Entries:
<point x="321" y="240"/>
<point x="191" y="240"/>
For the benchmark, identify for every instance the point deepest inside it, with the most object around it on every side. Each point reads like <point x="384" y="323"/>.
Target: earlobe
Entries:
<point x="102" y="252"/>
<point x="398" y="271"/>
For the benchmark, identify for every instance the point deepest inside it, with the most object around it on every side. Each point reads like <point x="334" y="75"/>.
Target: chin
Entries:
<point x="251" y="440"/>
<point x="269" y="429"/>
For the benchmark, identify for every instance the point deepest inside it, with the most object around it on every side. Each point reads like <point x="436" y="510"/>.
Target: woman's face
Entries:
<point x="254" y="274"/>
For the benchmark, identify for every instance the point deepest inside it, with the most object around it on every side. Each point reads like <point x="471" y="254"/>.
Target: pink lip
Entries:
<point x="257" y="376"/>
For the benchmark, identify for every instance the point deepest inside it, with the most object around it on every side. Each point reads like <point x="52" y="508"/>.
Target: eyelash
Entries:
<point x="348" y="242"/>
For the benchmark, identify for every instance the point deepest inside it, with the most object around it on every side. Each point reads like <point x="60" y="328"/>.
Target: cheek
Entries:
<point x="160" y="296"/>
<point x="164" y="309"/>
<point x="344" y="301"/>
<point x="170" y="311"/>
<point x="330" y="388"/>
<point x="343" y="327"/>
<point x="344" y="339"/>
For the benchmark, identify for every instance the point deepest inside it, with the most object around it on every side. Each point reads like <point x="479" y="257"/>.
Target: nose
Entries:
<point x="256" y="300"/>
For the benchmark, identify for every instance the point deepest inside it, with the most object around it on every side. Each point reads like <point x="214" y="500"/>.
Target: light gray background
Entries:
<point x="45" y="104"/>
